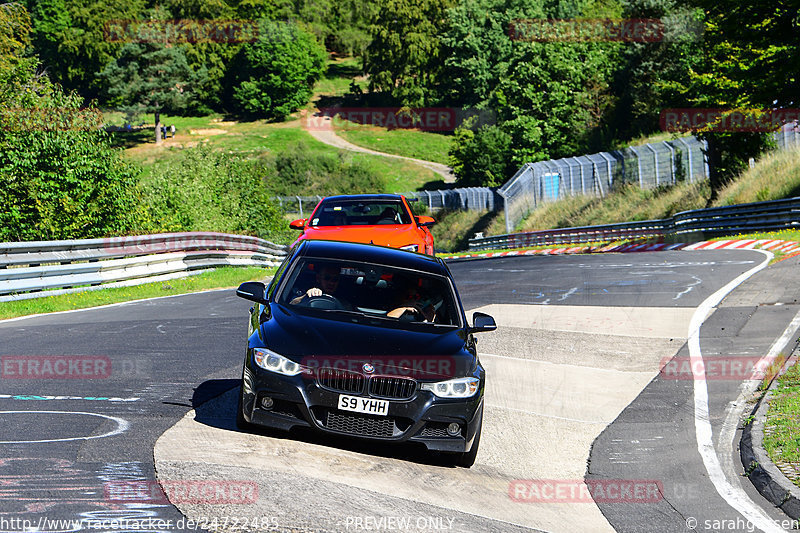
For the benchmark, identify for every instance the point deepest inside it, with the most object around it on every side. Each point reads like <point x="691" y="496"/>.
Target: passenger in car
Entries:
<point x="411" y="300"/>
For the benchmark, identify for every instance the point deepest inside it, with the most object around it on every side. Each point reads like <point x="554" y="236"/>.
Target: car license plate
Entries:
<point x="358" y="404"/>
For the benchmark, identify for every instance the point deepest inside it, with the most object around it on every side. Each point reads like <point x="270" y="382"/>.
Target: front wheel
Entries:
<point x="241" y="422"/>
<point x="467" y="459"/>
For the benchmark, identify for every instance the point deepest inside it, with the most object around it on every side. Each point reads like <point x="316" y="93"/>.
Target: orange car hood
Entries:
<point x="385" y="235"/>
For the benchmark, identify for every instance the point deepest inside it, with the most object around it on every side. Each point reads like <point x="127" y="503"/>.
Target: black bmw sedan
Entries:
<point x="368" y="342"/>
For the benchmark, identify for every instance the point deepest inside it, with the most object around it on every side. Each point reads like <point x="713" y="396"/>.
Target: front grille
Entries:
<point x="357" y="424"/>
<point x="392" y="387"/>
<point x="435" y="430"/>
<point x="340" y="380"/>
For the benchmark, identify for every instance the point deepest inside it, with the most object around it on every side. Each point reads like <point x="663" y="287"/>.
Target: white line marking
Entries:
<point x="737" y="407"/>
<point x="689" y="288"/>
<point x="122" y="426"/>
<point x="106" y="306"/>
<point x="734" y="496"/>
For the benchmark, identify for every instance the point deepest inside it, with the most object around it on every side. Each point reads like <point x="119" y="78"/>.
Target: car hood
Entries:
<point x="432" y="353"/>
<point x="384" y="235"/>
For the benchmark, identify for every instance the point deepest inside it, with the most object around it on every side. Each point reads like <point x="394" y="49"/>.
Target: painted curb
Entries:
<point x="763" y="474"/>
<point x="787" y="247"/>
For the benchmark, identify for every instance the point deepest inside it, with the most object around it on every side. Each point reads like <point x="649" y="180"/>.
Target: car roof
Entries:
<point x="372" y="253"/>
<point x="363" y="197"/>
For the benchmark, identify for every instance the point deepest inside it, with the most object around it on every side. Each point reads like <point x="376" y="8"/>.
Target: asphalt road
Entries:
<point x="82" y="448"/>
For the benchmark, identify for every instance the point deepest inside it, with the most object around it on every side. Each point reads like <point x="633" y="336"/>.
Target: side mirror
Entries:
<point x="482" y="322"/>
<point x="253" y="291"/>
<point x="300" y="224"/>
<point x="426" y="221"/>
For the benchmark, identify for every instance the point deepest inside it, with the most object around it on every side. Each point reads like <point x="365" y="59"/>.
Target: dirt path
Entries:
<point x="321" y="128"/>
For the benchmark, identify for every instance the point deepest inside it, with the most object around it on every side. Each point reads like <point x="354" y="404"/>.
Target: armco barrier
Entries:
<point x="713" y="222"/>
<point x="29" y="268"/>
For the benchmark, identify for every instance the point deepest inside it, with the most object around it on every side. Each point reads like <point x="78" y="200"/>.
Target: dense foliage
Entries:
<point x="274" y="76"/>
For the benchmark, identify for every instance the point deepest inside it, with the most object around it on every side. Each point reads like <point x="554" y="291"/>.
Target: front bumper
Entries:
<point x="300" y="401"/>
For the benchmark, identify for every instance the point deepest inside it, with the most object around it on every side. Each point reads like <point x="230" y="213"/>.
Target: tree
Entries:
<point x="71" y="39"/>
<point x="152" y="78"/>
<point x="404" y="56"/>
<point x="274" y="76"/>
<point x="751" y="60"/>
<point x="480" y="158"/>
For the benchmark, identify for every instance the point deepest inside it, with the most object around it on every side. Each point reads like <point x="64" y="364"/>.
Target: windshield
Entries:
<point x="394" y="294"/>
<point x="360" y="213"/>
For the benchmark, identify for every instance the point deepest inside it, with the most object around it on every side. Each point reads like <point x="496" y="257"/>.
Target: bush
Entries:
<point x="481" y="158"/>
<point x="203" y="190"/>
<point x="274" y="76"/>
<point x="299" y="171"/>
<point x="60" y="178"/>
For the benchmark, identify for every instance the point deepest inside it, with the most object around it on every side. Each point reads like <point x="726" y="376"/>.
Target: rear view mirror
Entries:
<point x="253" y="291"/>
<point x="298" y="224"/>
<point x="482" y="322"/>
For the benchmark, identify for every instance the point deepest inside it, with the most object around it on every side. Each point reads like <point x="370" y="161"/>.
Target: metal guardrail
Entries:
<point x="712" y="222"/>
<point x="30" y="269"/>
<point x="464" y="198"/>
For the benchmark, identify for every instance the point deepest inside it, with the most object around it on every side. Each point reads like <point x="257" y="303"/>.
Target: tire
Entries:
<point x="241" y="422"/>
<point x="467" y="459"/>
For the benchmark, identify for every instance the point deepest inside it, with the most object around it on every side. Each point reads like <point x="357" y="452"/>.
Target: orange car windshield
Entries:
<point x="360" y="213"/>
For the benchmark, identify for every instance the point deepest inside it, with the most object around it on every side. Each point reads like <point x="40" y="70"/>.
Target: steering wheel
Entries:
<point x="412" y="314"/>
<point x="325" y="301"/>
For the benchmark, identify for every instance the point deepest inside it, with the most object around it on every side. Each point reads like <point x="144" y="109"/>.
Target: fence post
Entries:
<point x="300" y="203"/>
<point x="608" y="160"/>
<point x="639" y="166"/>
<point x="655" y="160"/>
<point x="688" y="158"/>
<point x="672" y="161"/>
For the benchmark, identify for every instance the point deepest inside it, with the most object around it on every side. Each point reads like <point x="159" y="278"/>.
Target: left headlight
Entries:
<point x="453" y="388"/>
<point x="411" y="247"/>
<point x="275" y="362"/>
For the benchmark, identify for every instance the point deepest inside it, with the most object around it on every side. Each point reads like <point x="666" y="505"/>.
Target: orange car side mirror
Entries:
<point x="426" y="221"/>
<point x="298" y="224"/>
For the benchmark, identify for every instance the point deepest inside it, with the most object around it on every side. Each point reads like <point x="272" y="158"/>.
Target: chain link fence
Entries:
<point x="649" y="165"/>
<point x="465" y="198"/>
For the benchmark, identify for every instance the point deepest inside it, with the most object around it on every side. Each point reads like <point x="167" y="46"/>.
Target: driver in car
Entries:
<point x="327" y="283"/>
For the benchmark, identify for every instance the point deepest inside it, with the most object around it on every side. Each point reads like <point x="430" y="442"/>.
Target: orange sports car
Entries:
<point x="383" y="219"/>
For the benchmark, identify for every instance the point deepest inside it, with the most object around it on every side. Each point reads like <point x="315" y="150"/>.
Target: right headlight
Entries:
<point x="275" y="362"/>
<point x="453" y="388"/>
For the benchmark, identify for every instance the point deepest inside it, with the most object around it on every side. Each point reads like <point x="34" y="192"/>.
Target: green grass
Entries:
<point x="259" y="139"/>
<point x="336" y="81"/>
<point x="775" y="176"/>
<point x="428" y="146"/>
<point x="627" y="205"/>
<point x="782" y="428"/>
<point x="220" y="278"/>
